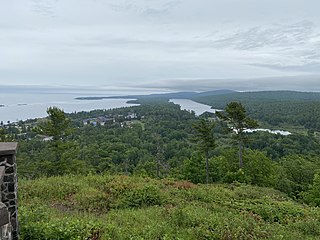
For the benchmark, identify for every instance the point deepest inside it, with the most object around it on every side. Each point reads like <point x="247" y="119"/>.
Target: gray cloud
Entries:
<point x="44" y="7"/>
<point x="312" y="67"/>
<point x="150" y="7"/>
<point x="276" y="35"/>
<point x="302" y="83"/>
<point x="117" y="43"/>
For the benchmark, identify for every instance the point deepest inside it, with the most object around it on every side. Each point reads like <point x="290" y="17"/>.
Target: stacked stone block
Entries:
<point x="8" y="199"/>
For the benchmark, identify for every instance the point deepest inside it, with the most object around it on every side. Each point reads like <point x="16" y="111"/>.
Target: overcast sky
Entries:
<point x="161" y="44"/>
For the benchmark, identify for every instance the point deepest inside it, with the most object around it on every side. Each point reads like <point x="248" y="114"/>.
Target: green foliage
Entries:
<point x="148" y="195"/>
<point x="105" y="206"/>
<point x="297" y="173"/>
<point x="193" y="169"/>
<point x="204" y="134"/>
<point x="114" y="148"/>
<point x="259" y="169"/>
<point x="277" y="146"/>
<point x="274" y="107"/>
<point x="2" y="134"/>
<point x="313" y="194"/>
<point x="205" y="139"/>
<point x="57" y="125"/>
<point x="235" y="115"/>
<point x="61" y="158"/>
<point x="7" y="135"/>
<point x="154" y="209"/>
<point x="156" y="144"/>
<point x="39" y="222"/>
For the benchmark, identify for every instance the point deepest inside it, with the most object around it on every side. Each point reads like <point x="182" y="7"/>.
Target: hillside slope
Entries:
<point x="121" y="207"/>
<point x="259" y="97"/>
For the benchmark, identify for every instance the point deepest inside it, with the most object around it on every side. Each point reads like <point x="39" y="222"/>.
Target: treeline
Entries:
<point x="274" y="107"/>
<point x="158" y="143"/>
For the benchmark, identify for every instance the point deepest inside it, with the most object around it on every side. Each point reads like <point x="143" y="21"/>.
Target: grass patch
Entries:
<point x="121" y="207"/>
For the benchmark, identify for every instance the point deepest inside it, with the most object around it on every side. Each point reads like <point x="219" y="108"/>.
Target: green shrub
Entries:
<point x="296" y="174"/>
<point x="312" y="196"/>
<point x="148" y="195"/>
<point x="120" y="207"/>
<point x="270" y="211"/>
<point x="53" y="188"/>
<point x="92" y="200"/>
<point x="37" y="223"/>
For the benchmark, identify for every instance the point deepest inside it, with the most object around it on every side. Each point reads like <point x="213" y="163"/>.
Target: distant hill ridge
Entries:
<point x="224" y="95"/>
<point x="179" y="95"/>
<point x="248" y="98"/>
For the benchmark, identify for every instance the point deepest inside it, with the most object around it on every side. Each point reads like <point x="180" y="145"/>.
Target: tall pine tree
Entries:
<point x="205" y="139"/>
<point x="235" y="115"/>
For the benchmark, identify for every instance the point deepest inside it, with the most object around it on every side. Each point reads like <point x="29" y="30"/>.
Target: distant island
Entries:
<point x="1" y="105"/>
<point x="93" y="98"/>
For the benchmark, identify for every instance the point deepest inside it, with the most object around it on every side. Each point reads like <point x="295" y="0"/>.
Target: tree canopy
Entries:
<point x="235" y="115"/>
<point x="205" y="139"/>
<point x="57" y="125"/>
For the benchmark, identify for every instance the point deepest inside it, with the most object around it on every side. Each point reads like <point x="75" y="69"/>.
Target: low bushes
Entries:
<point x="120" y="207"/>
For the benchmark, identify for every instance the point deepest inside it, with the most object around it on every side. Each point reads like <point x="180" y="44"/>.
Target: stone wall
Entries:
<point x="8" y="198"/>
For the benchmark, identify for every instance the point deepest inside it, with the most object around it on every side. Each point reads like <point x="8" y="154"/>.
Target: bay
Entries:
<point x="25" y="106"/>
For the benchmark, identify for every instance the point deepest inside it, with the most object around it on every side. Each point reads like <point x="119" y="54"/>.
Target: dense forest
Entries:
<point x="275" y="108"/>
<point x="158" y="140"/>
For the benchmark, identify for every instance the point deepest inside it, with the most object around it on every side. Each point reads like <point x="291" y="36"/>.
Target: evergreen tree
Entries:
<point x="58" y="128"/>
<point x="235" y="115"/>
<point x="205" y="139"/>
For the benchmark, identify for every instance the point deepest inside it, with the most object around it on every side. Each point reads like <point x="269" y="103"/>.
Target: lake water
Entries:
<point x="190" y="105"/>
<point x="27" y="106"/>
